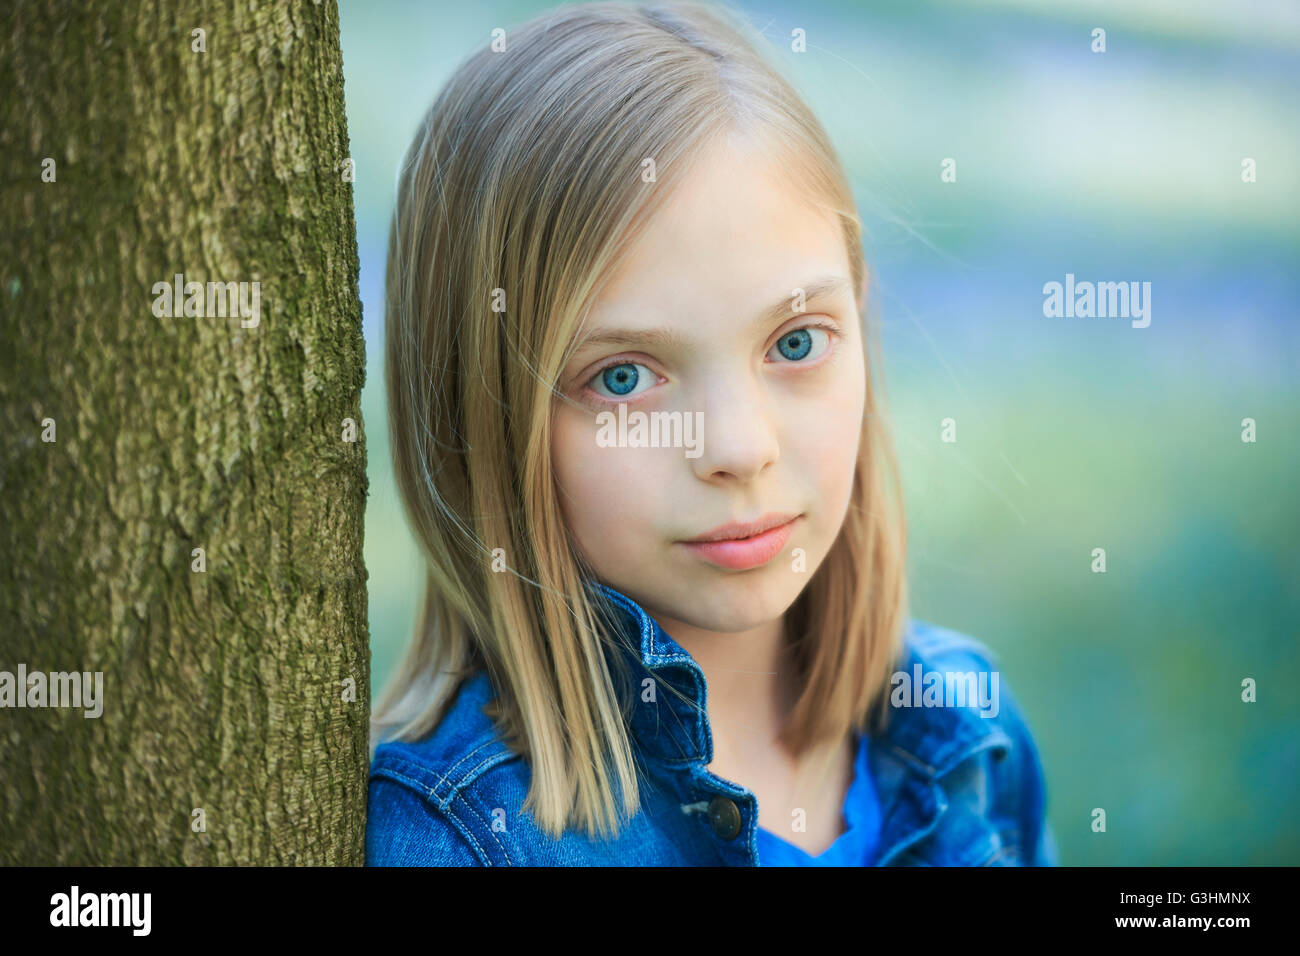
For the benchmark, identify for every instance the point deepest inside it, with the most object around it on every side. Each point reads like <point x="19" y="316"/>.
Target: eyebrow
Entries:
<point x="815" y="289"/>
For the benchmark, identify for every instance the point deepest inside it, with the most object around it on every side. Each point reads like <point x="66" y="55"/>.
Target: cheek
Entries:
<point x="828" y="453"/>
<point x="604" y="494"/>
<point x="573" y="465"/>
<point x="825" y="439"/>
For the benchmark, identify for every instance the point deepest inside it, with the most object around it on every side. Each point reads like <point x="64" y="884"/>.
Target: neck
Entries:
<point x="752" y="683"/>
<point x="750" y="679"/>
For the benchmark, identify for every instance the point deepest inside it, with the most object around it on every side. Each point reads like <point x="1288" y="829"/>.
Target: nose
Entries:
<point x="740" y="435"/>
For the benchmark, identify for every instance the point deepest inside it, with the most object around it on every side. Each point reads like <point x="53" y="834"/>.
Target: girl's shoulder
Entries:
<point x="933" y="641"/>
<point x="957" y="720"/>
<point x="432" y="801"/>
<point x="458" y="796"/>
<point x="961" y="676"/>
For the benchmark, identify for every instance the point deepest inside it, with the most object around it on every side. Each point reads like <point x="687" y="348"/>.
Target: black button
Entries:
<point x="724" y="816"/>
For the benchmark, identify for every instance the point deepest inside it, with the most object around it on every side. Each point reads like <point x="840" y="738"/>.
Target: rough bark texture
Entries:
<point x="223" y="689"/>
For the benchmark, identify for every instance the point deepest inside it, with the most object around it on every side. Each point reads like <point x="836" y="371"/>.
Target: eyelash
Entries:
<point x="832" y="330"/>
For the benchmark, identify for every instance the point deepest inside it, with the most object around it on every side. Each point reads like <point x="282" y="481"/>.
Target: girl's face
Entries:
<point x="702" y="325"/>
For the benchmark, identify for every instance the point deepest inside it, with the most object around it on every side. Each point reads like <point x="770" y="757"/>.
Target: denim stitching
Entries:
<point x="912" y="759"/>
<point x="487" y="826"/>
<point x="430" y="792"/>
<point x="446" y="813"/>
<point x="454" y="766"/>
<point x="458" y="788"/>
<point x="1009" y="849"/>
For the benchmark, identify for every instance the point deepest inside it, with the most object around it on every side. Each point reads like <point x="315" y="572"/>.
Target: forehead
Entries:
<point x="735" y="234"/>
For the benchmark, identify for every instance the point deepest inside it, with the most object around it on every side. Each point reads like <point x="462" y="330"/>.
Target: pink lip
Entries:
<point x="724" y="548"/>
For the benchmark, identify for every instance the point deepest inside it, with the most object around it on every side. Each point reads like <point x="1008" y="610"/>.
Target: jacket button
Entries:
<point x="724" y="816"/>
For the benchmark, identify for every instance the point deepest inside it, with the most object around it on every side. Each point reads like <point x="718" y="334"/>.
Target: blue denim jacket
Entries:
<point x="955" y="788"/>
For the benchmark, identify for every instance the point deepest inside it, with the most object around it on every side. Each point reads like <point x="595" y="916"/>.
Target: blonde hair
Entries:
<point x="524" y="182"/>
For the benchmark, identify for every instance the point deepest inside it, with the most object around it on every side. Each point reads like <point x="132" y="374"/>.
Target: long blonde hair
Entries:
<point x="523" y="187"/>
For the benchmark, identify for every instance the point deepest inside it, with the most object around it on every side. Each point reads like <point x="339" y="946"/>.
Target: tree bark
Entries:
<point x="227" y="735"/>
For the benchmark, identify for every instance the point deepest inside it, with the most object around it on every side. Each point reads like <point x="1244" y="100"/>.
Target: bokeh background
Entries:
<point x="1072" y="433"/>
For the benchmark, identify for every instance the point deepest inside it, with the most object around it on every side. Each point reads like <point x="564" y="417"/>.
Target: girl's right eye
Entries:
<point x="621" y="380"/>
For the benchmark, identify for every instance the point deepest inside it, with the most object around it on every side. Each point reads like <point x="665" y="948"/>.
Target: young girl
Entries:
<point x="635" y="431"/>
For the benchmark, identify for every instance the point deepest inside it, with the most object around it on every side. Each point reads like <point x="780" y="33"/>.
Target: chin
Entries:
<point x="739" y="601"/>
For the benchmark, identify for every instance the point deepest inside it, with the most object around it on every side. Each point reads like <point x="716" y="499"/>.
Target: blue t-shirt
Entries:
<point x="856" y="846"/>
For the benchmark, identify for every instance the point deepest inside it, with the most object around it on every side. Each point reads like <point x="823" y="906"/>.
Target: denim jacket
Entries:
<point x="955" y="788"/>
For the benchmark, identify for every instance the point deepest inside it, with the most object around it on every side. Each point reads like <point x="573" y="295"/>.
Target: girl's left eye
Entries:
<point x="798" y="345"/>
<point x="622" y="380"/>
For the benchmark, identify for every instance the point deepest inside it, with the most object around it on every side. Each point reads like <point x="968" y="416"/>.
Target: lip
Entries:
<point x="741" y="545"/>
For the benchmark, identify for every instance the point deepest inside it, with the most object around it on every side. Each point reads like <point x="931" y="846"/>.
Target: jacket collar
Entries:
<point x="918" y="746"/>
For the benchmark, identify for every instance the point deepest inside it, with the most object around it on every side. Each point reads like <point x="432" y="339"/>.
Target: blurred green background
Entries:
<point x="1072" y="433"/>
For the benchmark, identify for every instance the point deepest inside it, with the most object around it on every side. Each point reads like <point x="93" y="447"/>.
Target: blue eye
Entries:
<point x="622" y="380"/>
<point x="798" y="344"/>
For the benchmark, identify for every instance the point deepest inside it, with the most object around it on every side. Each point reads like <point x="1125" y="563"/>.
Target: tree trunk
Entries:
<point x="134" y="436"/>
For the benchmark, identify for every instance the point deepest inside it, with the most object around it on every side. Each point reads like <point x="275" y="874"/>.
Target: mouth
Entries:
<point x="741" y="545"/>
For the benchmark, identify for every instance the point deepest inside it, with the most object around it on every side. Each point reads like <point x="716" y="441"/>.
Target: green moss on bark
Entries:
<point x="222" y="690"/>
